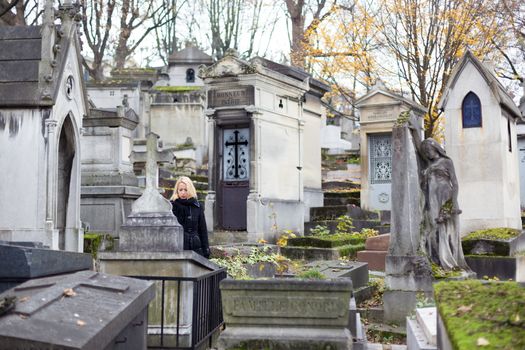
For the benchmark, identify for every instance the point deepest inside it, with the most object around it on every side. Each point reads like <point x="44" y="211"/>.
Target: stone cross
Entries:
<point x="151" y="200"/>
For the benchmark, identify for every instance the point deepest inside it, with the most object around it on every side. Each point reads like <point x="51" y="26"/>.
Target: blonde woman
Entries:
<point x="190" y="215"/>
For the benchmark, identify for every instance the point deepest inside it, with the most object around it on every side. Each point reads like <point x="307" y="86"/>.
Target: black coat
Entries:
<point x="190" y="215"/>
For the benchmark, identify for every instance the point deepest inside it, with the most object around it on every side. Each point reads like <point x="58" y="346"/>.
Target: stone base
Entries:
<point x="151" y="233"/>
<point x="284" y="338"/>
<point x="408" y="273"/>
<point x="375" y="259"/>
<point x="502" y="267"/>
<point x="398" y="304"/>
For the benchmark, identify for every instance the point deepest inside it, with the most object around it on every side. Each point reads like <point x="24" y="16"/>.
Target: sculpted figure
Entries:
<point x="442" y="240"/>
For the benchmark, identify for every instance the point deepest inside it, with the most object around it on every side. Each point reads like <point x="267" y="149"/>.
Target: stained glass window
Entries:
<point x="471" y="111"/>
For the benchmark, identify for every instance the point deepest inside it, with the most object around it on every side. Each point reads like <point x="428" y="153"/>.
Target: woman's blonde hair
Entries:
<point x="192" y="193"/>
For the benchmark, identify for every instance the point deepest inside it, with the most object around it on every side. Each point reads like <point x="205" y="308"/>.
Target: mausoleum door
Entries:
<point x="66" y="154"/>
<point x="380" y="171"/>
<point x="234" y="177"/>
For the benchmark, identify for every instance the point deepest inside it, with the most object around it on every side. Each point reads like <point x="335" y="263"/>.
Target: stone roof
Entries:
<point x="500" y="93"/>
<point x="20" y="55"/>
<point x="317" y="87"/>
<point x="190" y="55"/>
<point x="381" y="89"/>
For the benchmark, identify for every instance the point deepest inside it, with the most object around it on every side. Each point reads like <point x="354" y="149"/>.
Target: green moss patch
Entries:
<point x="178" y="89"/>
<point x="350" y="250"/>
<point x="439" y="273"/>
<point x="327" y="241"/>
<point x="487" y="315"/>
<point x="499" y="234"/>
<point x="94" y="240"/>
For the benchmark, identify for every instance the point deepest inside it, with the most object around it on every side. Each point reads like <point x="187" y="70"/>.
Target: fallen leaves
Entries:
<point x="81" y="323"/>
<point x="69" y="292"/>
<point x="482" y="342"/>
<point x="464" y="309"/>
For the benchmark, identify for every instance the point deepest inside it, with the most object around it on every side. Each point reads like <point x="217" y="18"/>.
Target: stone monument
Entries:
<point x="424" y="229"/>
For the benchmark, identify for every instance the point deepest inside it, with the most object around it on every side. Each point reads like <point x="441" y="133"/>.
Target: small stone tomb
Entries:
<point x="286" y="314"/>
<point x="19" y="263"/>
<point x="85" y="310"/>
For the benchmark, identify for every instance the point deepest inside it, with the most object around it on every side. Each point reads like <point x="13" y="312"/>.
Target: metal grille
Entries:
<point x="380" y="158"/>
<point x="206" y="308"/>
<point x="236" y="154"/>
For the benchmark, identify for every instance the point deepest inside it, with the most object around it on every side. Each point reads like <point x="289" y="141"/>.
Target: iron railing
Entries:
<point x="206" y="308"/>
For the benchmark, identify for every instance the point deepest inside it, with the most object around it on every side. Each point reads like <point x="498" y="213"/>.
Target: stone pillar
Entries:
<point x="254" y="218"/>
<point x="52" y="236"/>
<point x="407" y="267"/>
<point x="209" y="204"/>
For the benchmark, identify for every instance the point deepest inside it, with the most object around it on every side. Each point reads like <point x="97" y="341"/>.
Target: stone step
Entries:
<point x="374" y="258"/>
<point x="341" y="201"/>
<point x="326" y="185"/>
<point x="356" y="212"/>
<point x="310" y="253"/>
<point x="327" y="212"/>
<point x="378" y="243"/>
<point x="342" y="194"/>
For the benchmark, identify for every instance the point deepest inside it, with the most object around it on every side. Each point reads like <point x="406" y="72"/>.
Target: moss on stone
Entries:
<point x="350" y="250"/>
<point x="93" y="242"/>
<point x="474" y="312"/>
<point x="403" y="118"/>
<point x="178" y="89"/>
<point x="327" y="241"/>
<point x="311" y="274"/>
<point x="500" y="233"/>
<point x="439" y="273"/>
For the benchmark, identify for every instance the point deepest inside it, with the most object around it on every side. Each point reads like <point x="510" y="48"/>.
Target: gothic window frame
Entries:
<point x="477" y="121"/>
<point x="190" y="75"/>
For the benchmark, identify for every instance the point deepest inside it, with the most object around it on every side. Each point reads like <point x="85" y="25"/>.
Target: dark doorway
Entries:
<point x="66" y="154"/>
<point x="234" y="178"/>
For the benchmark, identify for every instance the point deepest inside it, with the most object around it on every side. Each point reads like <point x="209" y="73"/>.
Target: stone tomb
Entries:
<point x="42" y="101"/>
<point x="286" y="314"/>
<point x="379" y="110"/>
<point x="264" y="149"/>
<point x="22" y="261"/>
<point x="85" y="310"/>
<point x="109" y="185"/>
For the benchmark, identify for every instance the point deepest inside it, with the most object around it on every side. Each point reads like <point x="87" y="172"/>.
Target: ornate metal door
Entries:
<point x="380" y="171"/>
<point x="235" y="176"/>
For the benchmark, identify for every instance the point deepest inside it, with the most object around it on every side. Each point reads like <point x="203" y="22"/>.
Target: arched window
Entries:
<point x="190" y="75"/>
<point x="471" y="111"/>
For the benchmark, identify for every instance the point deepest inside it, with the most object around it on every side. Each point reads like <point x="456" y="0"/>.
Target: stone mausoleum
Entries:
<point x="42" y="102"/>
<point x="480" y="137"/>
<point x="379" y="110"/>
<point x="264" y="149"/>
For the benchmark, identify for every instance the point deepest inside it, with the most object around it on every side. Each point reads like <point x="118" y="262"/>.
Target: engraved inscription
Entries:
<point x="231" y="97"/>
<point x="282" y="307"/>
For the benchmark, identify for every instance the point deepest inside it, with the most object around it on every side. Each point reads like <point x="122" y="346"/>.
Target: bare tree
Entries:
<point x="19" y="12"/>
<point x="134" y="14"/>
<point x="97" y="23"/>
<point x="166" y="36"/>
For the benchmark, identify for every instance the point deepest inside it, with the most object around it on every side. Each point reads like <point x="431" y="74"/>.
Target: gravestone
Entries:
<point x="424" y="221"/>
<point x="264" y="149"/>
<point x="379" y="110"/>
<point x="109" y="185"/>
<point x="480" y="137"/>
<point x="151" y="226"/>
<point x="84" y="310"/>
<point x="42" y="101"/>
